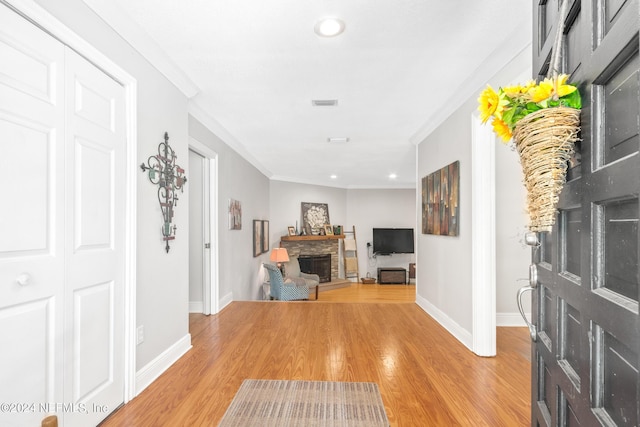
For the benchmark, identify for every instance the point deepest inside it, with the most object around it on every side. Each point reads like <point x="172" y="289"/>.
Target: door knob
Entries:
<point x="24" y="279"/>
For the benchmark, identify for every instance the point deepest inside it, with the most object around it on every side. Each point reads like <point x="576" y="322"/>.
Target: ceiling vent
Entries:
<point x="338" y="139"/>
<point x="324" y="102"/>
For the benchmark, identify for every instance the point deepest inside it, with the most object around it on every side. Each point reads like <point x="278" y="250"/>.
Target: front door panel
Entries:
<point x="585" y="361"/>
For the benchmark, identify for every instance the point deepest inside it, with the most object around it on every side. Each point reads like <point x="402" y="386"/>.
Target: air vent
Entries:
<point x="338" y="139"/>
<point x="324" y="102"/>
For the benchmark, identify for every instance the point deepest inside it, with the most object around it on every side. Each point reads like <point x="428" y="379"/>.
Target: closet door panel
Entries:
<point x="32" y="221"/>
<point x="95" y="240"/>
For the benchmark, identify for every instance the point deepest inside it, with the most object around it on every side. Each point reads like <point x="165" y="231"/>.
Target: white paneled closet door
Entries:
<point x="62" y="154"/>
<point x="94" y="285"/>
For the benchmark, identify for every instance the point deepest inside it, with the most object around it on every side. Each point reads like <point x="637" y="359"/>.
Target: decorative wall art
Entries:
<point x="257" y="237"/>
<point x="265" y="236"/>
<point x="169" y="177"/>
<point x="440" y="201"/>
<point x="235" y="215"/>
<point x="314" y="217"/>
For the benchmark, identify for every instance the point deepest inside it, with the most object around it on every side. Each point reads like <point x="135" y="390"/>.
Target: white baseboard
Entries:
<point x="454" y="329"/>
<point x="196" y="306"/>
<point x="511" y="319"/>
<point x="226" y="300"/>
<point x="152" y="370"/>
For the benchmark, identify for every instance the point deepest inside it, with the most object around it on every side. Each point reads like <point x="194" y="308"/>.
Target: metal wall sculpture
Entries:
<point x="169" y="178"/>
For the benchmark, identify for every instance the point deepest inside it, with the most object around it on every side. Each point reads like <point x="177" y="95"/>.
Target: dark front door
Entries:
<point x="585" y="360"/>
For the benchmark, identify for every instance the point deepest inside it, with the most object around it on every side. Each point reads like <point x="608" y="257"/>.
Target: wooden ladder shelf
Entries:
<point x="350" y="255"/>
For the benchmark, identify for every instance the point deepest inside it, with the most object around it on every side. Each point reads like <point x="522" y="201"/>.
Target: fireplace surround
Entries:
<point x="314" y="245"/>
<point x="316" y="264"/>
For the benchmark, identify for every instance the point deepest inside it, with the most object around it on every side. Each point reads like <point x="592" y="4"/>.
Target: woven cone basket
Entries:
<point x="545" y="142"/>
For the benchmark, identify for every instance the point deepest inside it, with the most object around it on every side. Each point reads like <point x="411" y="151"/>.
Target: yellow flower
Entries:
<point x="501" y="129"/>
<point x="490" y="104"/>
<point x="543" y="91"/>
<point x="561" y="88"/>
<point x="519" y="94"/>
<point x="513" y="91"/>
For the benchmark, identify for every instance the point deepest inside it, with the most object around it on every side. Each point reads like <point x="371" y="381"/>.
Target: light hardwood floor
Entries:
<point x="425" y="376"/>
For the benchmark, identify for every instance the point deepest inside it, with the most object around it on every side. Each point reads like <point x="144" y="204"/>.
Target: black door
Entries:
<point x="586" y="357"/>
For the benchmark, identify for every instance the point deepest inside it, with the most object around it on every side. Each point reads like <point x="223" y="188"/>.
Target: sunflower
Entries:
<point x="501" y="129"/>
<point x="491" y="103"/>
<point x="561" y="88"/>
<point x="543" y="91"/>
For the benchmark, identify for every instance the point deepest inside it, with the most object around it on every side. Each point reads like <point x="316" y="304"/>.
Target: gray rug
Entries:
<point x="306" y="403"/>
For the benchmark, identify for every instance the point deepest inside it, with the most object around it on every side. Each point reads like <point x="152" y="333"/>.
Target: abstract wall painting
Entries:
<point x="440" y="201"/>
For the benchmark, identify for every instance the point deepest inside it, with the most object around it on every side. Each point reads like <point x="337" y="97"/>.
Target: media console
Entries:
<point x="388" y="275"/>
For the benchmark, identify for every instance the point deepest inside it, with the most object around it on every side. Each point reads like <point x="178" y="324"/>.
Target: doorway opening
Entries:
<point x="203" y="229"/>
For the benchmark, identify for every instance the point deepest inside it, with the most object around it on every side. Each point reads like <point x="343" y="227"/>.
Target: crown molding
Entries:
<point x="513" y="46"/>
<point x="133" y="34"/>
<point x="197" y="112"/>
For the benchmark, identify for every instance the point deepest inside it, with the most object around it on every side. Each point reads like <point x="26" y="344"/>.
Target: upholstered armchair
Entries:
<point x="286" y="290"/>
<point x="292" y="270"/>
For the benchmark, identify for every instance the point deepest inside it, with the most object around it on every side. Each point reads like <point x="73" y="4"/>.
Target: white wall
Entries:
<point x="286" y="206"/>
<point x="444" y="263"/>
<point x="367" y="209"/>
<point x="443" y="267"/>
<point x="363" y="209"/>
<point x="512" y="254"/>
<point x="238" y="180"/>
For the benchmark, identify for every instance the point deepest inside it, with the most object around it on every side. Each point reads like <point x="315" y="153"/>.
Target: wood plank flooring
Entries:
<point x="425" y="376"/>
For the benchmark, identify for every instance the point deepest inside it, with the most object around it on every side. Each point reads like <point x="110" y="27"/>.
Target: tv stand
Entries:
<point x="387" y="275"/>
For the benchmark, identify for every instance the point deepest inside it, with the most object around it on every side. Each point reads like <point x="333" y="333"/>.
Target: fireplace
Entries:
<point x="316" y="264"/>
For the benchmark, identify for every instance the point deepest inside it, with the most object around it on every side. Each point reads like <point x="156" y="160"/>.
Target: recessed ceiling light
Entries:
<point x="334" y="177"/>
<point x="329" y="27"/>
<point x="338" y="139"/>
<point x="392" y="176"/>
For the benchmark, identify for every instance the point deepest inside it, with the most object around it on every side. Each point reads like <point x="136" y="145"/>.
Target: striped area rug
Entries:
<point x="271" y="403"/>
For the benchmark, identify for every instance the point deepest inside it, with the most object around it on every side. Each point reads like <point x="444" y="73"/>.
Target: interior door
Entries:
<point x="32" y="218"/>
<point x="95" y="231"/>
<point x="586" y="357"/>
<point x="196" y="232"/>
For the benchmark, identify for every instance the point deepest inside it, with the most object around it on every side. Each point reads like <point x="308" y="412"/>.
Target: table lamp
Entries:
<point x="279" y="255"/>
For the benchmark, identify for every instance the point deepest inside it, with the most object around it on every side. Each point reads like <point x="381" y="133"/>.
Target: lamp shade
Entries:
<point x="279" y="255"/>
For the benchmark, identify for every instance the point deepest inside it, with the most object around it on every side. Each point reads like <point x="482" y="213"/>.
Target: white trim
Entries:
<point x="57" y="29"/>
<point x="196" y="306"/>
<point x="226" y="300"/>
<point x="116" y="18"/>
<point x="483" y="230"/>
<point x="511" y="320"/>
<point x="449" y="324"/>
<point x="131" y="250"/>
<point x="211" y="294"/>
<point x="152" y="370"/>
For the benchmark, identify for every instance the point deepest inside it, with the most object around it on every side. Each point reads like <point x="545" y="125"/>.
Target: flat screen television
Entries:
<point x="392" y="241"/>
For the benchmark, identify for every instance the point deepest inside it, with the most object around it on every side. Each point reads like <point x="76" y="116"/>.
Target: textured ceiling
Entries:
<point x="397" y="70"/>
